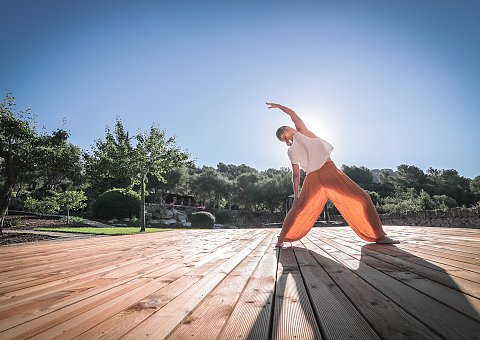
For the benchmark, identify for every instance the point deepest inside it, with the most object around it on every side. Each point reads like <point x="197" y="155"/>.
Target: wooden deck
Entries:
<point x="234" y="284"/>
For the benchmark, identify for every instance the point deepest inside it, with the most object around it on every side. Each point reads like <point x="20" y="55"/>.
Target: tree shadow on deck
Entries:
<point x="379" y="292"/>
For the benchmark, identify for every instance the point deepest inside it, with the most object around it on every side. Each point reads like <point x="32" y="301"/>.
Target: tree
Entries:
<point x="72" y="200"/>
<point x="211" y="185"/>
<point x="246" y="190"/>
<point x="176" y="180"/>
<point x="232" y="171"/>
<point x="22" y="148"/>
<point x="475" y="188"/>
<point x="62" y="171"/>
<point x="46" y="204"/>
<point x="360" y="175"/>
<point x="154" y="155"/>
<point x="108" y="164"/>
<point x="274" y="186"/>
<point x="475" y="185"/>
<point x="117" y="162"/>
<point x="449" y="182"/>
<point x="53" y="202"/>
<point x="410" y="176"/>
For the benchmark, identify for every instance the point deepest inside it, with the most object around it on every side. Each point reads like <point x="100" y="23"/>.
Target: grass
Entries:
<point x="103" y="231"/>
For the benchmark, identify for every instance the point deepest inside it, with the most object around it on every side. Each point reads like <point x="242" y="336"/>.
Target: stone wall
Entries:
<point x="455" y="218"/>
<point x="159" y="215"/>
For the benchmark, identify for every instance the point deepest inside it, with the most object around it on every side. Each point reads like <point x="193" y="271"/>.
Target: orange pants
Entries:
<point x="353" y="202"/>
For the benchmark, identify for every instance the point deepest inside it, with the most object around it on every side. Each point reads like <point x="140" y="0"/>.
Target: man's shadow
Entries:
<point x="380" y="292"/>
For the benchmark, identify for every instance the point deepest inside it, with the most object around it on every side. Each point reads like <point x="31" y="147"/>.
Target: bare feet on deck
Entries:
<point x="279" y="243"/>
<point x="387" y="240"/>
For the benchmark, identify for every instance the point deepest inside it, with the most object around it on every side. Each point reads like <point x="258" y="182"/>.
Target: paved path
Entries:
<point x="96" y="224"/>
<point x="50" y="233"/>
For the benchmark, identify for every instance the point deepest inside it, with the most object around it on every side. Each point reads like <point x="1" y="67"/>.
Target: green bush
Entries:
<point x="117" y="203"/>
<point x="223" y="217"/>
<point x="202" y="219"/>
<point x="72" y="219"/>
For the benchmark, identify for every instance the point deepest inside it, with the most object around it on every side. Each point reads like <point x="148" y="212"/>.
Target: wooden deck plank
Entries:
<point x="43" y="274"/>
<point x="209" y="318"/>
<point x="336" y="315"/>
<point x="47" y="304"/>
<point x="160" y="324"/>
<point x="432" y="313"/>
<point x="68" y="308"/>
<point x="75" y="281"/>
<point x="250" y="318"/>
<point x="132" y="316"/>
<point x="293" y="316"/>
<point x="410" y="257"/>
<point x="383" y="315"/>
<point x="396" y="256"/>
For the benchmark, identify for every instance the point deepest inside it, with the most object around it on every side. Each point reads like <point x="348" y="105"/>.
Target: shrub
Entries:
<point x="47" y="204"/>
<point x="202" y="219"/>
<point x="223" y="216"/>
<point x="71" y="219"/>
<point x="117" y="203"/>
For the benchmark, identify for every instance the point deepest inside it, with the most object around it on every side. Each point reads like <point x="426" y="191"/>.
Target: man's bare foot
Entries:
<point x="387" y="240"/>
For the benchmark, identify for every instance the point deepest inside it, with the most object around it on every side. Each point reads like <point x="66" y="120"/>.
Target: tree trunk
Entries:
<point x="142" y="208"/>
<point x="68" y="216"/>
<point x="7" y="189"/>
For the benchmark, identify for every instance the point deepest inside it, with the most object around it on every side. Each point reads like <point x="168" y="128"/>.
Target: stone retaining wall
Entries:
<point x="158" y="215"/>
<point x="455" y="218"/>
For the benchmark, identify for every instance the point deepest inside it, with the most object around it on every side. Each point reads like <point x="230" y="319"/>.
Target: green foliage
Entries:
<point x="475" y="185"/>
<point x="61" y="170"/>
<point x="108" y="163"/>
<point x="449" y="182"/>
<point x="232" y="171"/>
<point x="202" y="219"/>
<point x="246" y="190"/>
<point x="53" y="202"/>
<point x="223" y="216"/>
<point x="444" y="202"/>
<point x="374" y="196"/>
<point x="177" y="179"/>
<point x="409" y="176"/>
<point x="72" y="219"/>
<point x="409" y="200"/>
<point x="72" y="200"/>
<point x="211" y="185"/>
<point x="29" y="156"/>
<point x="117" y="159"/>
<point x="45" y="205"/>
<point x="14" y="222"/>
<point x="360" y="175"/>
<point x="117" y="203"/>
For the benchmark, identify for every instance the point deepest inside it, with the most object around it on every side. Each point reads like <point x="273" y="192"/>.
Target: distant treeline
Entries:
<point x="406" y="189"/>
<point x="37" y="165"/>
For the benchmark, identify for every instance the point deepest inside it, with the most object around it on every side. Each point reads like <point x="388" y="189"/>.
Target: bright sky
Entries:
<point x="385" y="82"/>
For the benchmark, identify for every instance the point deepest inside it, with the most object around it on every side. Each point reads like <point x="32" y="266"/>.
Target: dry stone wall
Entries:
<point x="455" y="218"/>
<point x="159" y="215"/>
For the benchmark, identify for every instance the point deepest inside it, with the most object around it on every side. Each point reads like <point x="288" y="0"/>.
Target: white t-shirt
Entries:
<point x="309" y="153"/>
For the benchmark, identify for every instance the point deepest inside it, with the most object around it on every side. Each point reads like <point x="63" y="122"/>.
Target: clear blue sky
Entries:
<point x="385" y="82"/>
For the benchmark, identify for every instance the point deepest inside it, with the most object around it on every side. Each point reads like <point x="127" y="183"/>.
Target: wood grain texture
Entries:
<point x="234" y="284"/>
